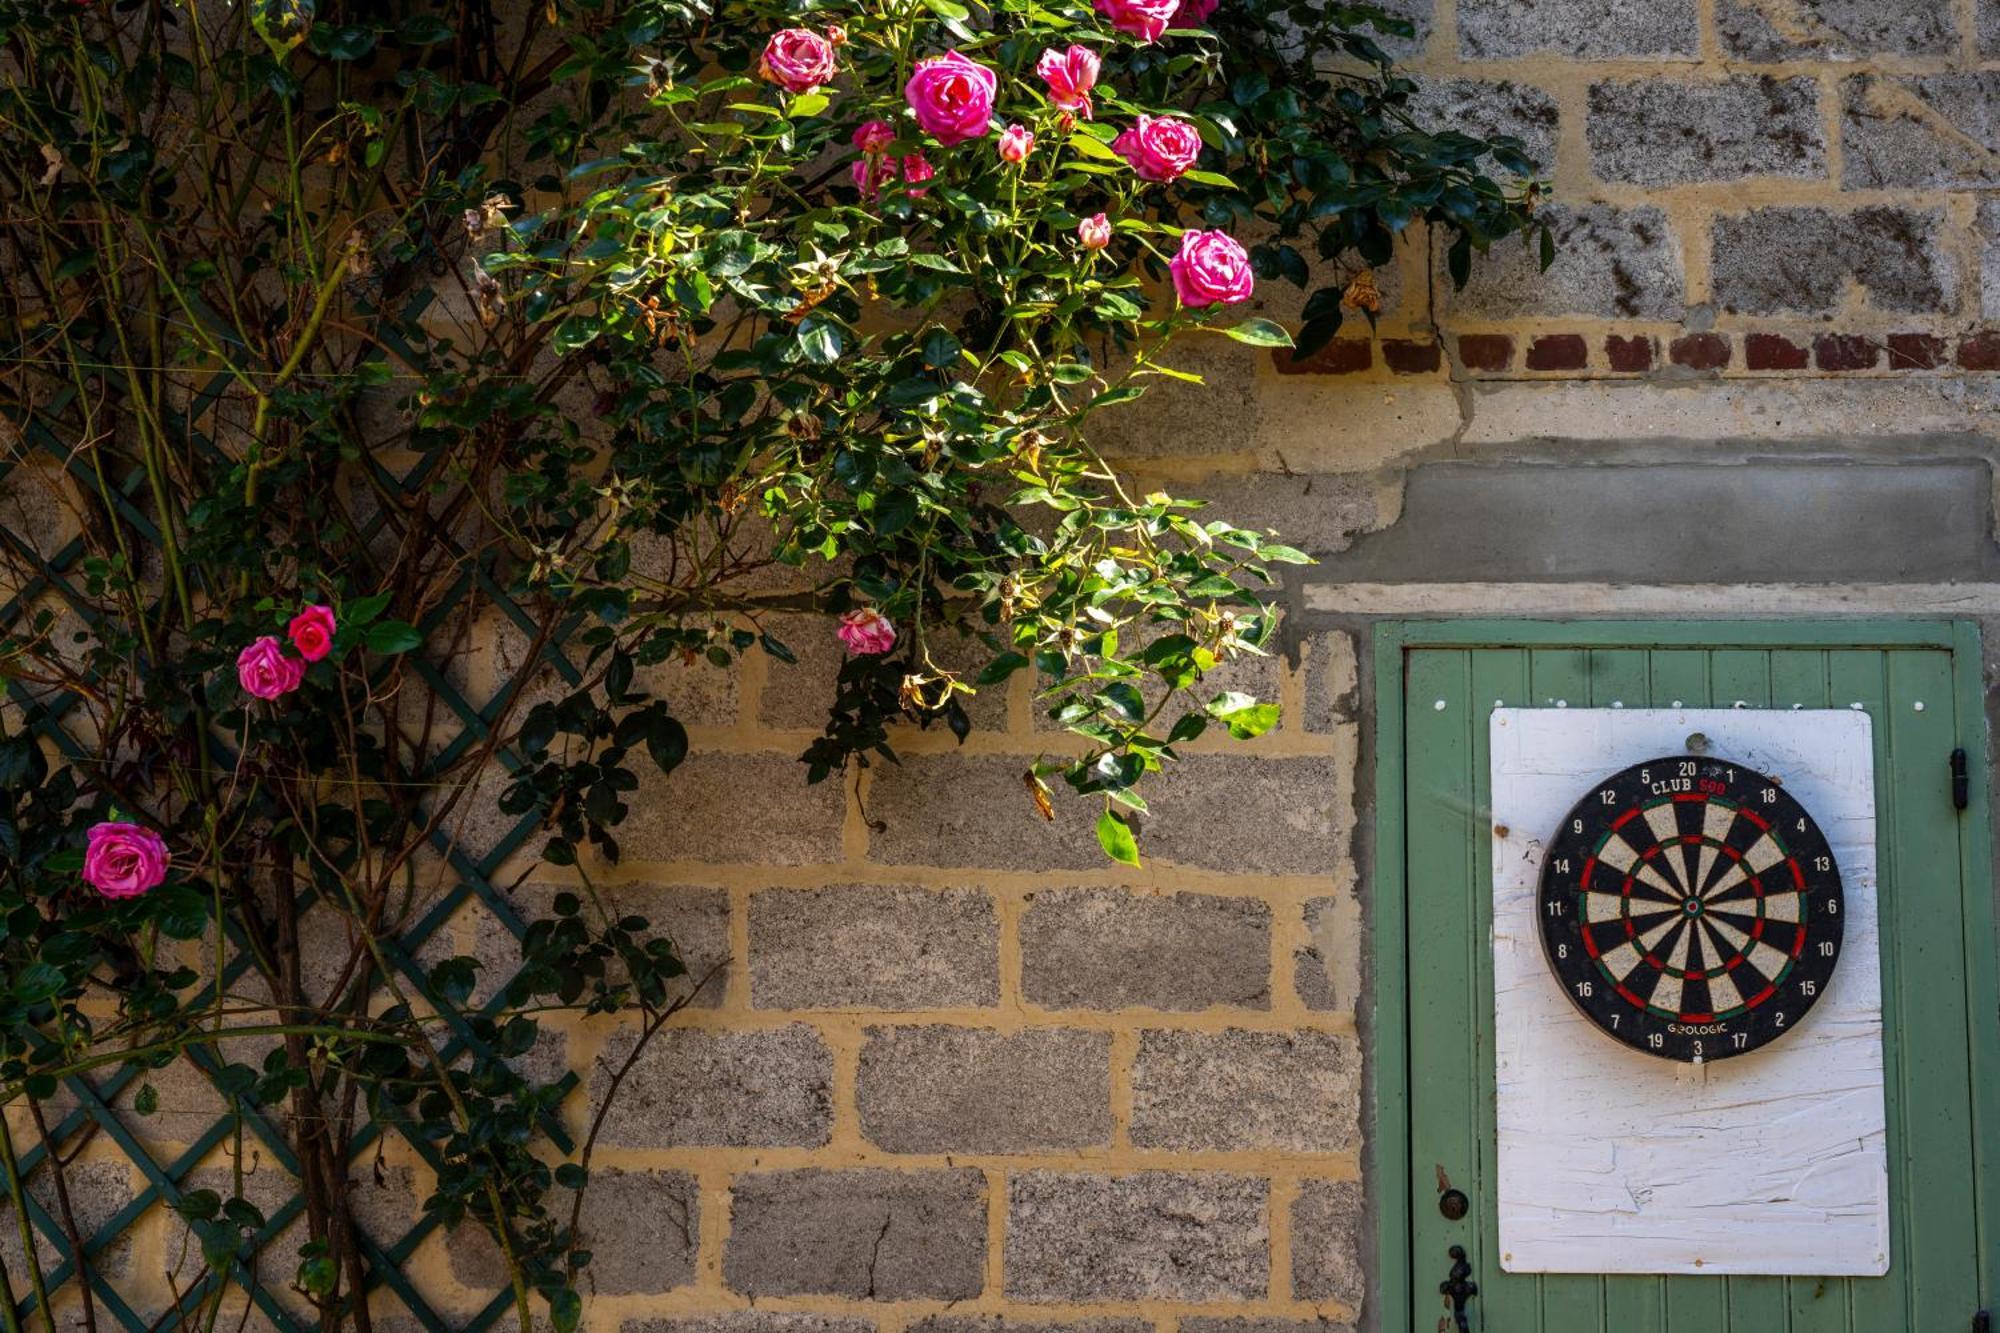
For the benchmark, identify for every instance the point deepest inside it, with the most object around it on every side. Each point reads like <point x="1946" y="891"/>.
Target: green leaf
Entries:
<point x="1242" y="714"/>
<point x="393" y="636"/>
<point x="1259" y="333"/>
<point x="363" y="610"/>
<point x="565" y="1309"/>
<point x="1114" y="835"/>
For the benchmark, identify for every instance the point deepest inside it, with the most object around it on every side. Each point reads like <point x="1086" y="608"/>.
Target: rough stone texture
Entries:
<point x="1802" y="259"/>
<point x="866" y="1235"/>
<point x="873" y="948"/>
<point x="1152" y="1235"/>
<point x="1507" y="29"/>
<point x="1248" y="814"/>
<point x="751" y="1321"/>
<point x="1491" y="108"/>
<point x="642" y="1228"/>
<point x="1223" y="1091"/>
<point x="1326" y="1234"/>
<point x="1610" y="262"/>
<point x="1989" y="29"/>
<point x="993" y="1323"/>
<point x="1672" y="131"/>
<point x="97" y="1191"/>
<point x="753" y="808"/>
<point x="1312" y="969"/>
<point x="695" y="919"/>
<point x="972" y="810"/>
<point x="764" y="1088"/>
<point x="1263" y="1324"/>
<point x="1768" y="30"/>
<point x="954" y="1089"/>
<point x="1108" y="949"/>
<point x="1935" y="131"/>
<point x="1418" y="14"/>
<point x="1989" y="256"/>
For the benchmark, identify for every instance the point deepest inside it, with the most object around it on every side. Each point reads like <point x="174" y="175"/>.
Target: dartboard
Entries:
<point x="1691" y="908"/>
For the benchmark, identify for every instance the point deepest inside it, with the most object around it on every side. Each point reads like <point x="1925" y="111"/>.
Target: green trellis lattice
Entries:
<point x="166" y="1182"/>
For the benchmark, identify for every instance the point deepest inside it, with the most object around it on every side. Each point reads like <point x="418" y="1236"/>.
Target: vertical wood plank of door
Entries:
<point x="1680" y="678"/>
<point x="1499" y="676"/>
<point x="1571" y="1303"/>
<point x="1859" y="677"/>
<point x="1936" y="1088"/>
<point x="1634" y="1303"/>
<point x="1742" y="677"/>
<point x="1439" y="833"/>
<point x="1813" y="1305"/>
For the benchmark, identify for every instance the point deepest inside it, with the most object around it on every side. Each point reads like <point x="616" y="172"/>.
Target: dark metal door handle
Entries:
<point x="1458" y="1290"/>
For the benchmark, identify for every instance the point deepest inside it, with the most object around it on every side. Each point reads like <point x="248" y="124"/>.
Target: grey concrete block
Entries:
<point x="1834" y="29"/>
<point x="863" y="1234"/>
<point x="1489" y="109"/>
<point x="1152" y="1235"/>
<point x="1311" y="974"/>
<point x="1934" y="131"/>
<point x="1250" y="815"/>
<point x="1611" y="262"/>
<point x="1989" y="29"/>
<point x="1673" y="131"/>
<point x="1989" y="258"/>
<point x="750" y="1321"/>
<point x="1318" y="513"/>
<point x="98" y="1191"/>
<point x="997" y="1323"/>
<point x="874" y="948"/>
<point x="641" y="1227"/>
<point x="750" y="808"/>
<point x="1419" y="15"/>
<point x="1327" y="1227"/>
<point x="762" y="1088"/>
<point x="1108" y="949"/>
<point x="797" y="695"/>
<point x="1263" y="1324"/>
<point x="1225" y="1091"/>
<point x="695" y="919"/>
<point x="953" y="1089"/>
<point x="1764" y="521"/>
<point x="1802" y="259"/>
<point x="974" y="810"/>
<point x="1595" y="29"/>
<point x="1332" y="682"/>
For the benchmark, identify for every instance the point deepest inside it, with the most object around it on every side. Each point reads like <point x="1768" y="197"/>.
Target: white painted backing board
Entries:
<point x="1611" y="1161"/>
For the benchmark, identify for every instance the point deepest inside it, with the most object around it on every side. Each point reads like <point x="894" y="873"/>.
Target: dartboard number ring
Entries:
<point x="1691" y="908"/>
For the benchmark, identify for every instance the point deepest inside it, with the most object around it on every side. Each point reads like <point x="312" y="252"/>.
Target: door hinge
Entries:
<point x="1961" y="780"/>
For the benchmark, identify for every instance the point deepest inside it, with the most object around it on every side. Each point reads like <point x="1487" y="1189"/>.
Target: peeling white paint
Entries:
<point x="1611" y="1161"/>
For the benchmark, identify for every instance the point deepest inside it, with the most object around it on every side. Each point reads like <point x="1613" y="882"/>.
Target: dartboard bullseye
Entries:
<point x="1691" y="908"/>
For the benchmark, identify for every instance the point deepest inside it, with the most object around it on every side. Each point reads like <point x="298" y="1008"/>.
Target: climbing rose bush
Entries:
<point x="615" y="341"/>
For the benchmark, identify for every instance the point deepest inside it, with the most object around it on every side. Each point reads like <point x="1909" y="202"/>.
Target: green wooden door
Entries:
<point x="1437" y="683"/>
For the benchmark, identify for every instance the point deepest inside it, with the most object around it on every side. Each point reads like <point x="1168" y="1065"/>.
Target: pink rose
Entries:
<point x="797" y="60"/>
<point x="311" y="632"/>
<point x="1210" y="267"/>
<point x="1144" y="19"/>
<point x="867" y="631"/>
<point x="124" y="860"/>
<point x="1193" y="13"/>
<point x="952" y="96"/>
<point x="263" y="669"/>
<point x="1070" y="75"/>
<point x="874" y="136"/>
<point x="1016" y="142"/>
<point x="1159" y="148"/>
<point x="916" y="171"/>
<point x="1094" y="232"/>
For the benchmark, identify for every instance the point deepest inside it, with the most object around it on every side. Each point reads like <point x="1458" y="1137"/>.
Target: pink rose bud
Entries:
<point x="1193" y="13"/>
<point x="874" y="136"/>
<point x="1070" y="75"/>
<point x="797" y="60"/>
<point x="1094" y="232"/>
<point x="1159" y="148"/>
<point x="867" y="631"/>
<point x="124" y="860"/>
<point x="264" y="671"/>
<point x="870" y="173"/>
<point x="1016" y="142"/>
<point x="311" y="632"/>
<point x="1144" y="19"/>
<point x="952" y="97"/>
<point x="916" y="171"/>
<point x="1211" y="267"/>
<point x="837" y="35"/>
